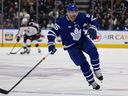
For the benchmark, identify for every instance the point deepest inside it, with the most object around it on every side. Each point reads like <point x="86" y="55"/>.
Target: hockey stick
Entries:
<point x="3" y="91"/>
<point x="16" y="51"/>
<point x="12" y="48"/>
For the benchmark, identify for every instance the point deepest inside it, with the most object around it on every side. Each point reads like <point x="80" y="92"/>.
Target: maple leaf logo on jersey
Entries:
<point x="76" y="34"/>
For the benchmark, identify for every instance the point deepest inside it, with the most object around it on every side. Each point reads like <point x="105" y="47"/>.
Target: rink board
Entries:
<point x="105" y="39"/>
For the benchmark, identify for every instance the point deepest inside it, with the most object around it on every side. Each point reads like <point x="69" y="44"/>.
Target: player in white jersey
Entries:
<point x="30" y="32"/>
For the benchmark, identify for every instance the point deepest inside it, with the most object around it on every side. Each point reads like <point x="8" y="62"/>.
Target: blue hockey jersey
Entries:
<point x="71" y="33"/>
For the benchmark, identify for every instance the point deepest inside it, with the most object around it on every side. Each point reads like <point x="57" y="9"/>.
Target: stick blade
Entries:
<point x="13" y="53"/>
<point x="3" y="91"/>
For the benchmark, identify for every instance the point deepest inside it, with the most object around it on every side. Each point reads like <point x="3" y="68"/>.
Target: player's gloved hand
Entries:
<point x="18" y="39"/>
<point x="51" y="48"/>
<point x="38" y="35"/>
<point x="92" y="33"/>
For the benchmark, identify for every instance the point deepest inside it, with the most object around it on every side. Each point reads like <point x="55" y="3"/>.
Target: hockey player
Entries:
<point x="30" y="32"/>
<point x="75" y="41"/>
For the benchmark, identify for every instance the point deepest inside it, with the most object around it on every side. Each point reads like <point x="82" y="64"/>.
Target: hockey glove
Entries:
<point x="18" y="39"/>
<point x="51" y="48"/>
<point x="92" y="33"/>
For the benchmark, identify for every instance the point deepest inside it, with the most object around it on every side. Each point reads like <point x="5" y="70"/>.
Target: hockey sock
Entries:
<point x="95" y="64"/>
<point x="94" y="59"/>
<point x="85" y="68"/>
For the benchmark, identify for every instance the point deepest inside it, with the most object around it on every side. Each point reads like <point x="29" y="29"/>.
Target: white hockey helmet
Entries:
<point x="27" y="16"/>
<point x="24" y="21"/>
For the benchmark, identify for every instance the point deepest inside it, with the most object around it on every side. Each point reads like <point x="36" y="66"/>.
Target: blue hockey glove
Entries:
<point x="51" y="48"/>
<point x="92" y="33"/>
<point x="18" y="39"/>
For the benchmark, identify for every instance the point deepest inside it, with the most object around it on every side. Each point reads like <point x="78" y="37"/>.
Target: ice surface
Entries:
<point x="58" y="76"/>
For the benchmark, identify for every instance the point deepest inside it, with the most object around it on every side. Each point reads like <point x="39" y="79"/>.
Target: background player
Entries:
<point x="30" y="32"/>
<point x="74" y="40"/>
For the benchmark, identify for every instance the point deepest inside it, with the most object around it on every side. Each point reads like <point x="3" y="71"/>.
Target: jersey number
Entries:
<point x="56" y="26"/>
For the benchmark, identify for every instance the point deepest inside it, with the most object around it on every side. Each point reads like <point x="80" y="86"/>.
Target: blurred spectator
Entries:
<point x="50" y="24"/>
<point x="126" y="24"/>
<point x="43" y="20"/>
<point x="111" y="15"/>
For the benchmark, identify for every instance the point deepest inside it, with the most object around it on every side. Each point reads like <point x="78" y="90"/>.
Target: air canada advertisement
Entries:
<point x="103" y="37"/>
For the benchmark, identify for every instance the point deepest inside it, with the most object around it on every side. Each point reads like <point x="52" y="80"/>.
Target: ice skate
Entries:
<point x="95" y="85"/>
<point x="98" y="74"/>
<point x="24" y="51"/>
<point x="28" y="51"/>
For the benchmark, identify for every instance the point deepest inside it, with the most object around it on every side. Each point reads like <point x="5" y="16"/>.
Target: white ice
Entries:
<point x="58" y="76"/>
